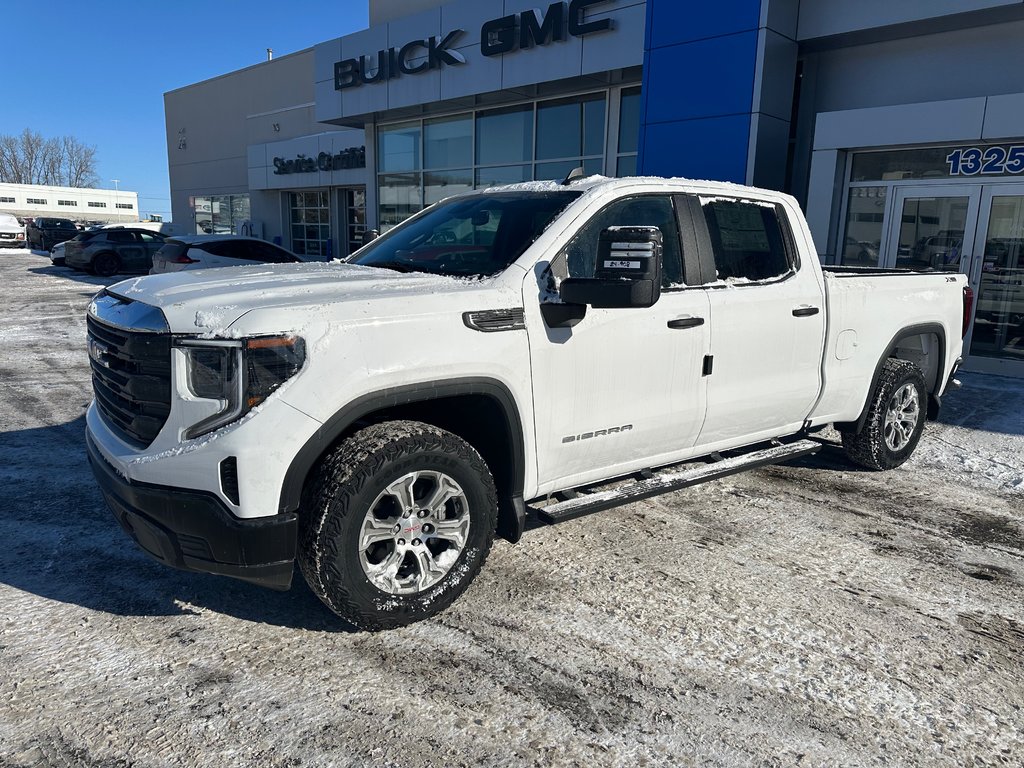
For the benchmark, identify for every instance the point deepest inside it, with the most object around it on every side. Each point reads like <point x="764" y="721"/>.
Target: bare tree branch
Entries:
<point x="65" y="161"/>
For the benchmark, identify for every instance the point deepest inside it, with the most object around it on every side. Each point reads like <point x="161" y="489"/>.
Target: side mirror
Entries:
<point x="369" y="235"/>
<point x="628" y="272"/>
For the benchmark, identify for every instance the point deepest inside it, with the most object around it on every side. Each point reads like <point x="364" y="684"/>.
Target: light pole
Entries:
<point x="117" y="211"/>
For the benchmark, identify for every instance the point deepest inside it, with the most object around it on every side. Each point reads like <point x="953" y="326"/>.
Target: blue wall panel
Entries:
<point x="708" y="77"/>
<point x="700" y="61"/>
<point x="680" y="21"/>
<point x="712" y="148"/>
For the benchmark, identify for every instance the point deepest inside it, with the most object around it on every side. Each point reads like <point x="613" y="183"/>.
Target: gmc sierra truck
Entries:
<point x="529" y="353"/>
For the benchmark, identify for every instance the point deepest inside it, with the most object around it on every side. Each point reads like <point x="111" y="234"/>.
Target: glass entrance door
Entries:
<point x="930" y="227"/>
<point x="995" y="343"/>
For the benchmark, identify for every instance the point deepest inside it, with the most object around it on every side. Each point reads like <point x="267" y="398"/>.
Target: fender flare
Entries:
<point x="933" y="387"/>
<point x="511" y="523"/>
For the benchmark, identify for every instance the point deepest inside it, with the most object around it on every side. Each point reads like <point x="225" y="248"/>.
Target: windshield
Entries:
<point x="473" y="236"/>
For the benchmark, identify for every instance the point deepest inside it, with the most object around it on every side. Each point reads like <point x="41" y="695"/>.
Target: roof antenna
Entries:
<point x="574" y="174"/>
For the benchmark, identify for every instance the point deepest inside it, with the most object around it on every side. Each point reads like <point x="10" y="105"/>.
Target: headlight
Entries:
<point x="238" y="374"/>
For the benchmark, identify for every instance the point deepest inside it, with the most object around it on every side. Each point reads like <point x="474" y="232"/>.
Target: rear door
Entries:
<point x="129" y="249"/>
<point x="767" y="323"/>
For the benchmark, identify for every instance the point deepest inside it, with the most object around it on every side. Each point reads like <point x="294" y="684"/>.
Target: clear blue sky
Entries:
<point x="98" y="71"/>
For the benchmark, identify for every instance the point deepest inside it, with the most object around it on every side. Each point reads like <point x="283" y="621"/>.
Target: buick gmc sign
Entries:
<point x="517" y="31"/>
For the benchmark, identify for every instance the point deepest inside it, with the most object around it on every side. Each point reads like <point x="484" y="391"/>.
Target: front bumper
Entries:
<point x="194" y="531"/>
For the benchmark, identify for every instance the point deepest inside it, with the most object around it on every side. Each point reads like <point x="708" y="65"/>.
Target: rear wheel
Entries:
<point x="895" y="419"/>
<point x="106" y="264"/>
<point x="398" y="522"/>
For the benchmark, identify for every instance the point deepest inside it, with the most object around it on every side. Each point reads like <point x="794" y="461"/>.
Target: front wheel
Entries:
<point x="895" y="419"/>
<point x="397" y="523"/>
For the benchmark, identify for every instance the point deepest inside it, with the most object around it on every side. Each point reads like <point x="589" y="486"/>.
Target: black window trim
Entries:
<point x="682" y="224"/>
<point x="707" y="256"/>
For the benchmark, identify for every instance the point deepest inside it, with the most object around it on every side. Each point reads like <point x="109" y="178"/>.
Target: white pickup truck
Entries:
<point x="522" y="355"/>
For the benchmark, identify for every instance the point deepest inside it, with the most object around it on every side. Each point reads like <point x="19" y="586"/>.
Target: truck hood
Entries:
<point x="210" y="300"/>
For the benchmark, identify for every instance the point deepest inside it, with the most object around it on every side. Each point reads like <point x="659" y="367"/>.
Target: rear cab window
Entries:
<point x="748" y="239"/>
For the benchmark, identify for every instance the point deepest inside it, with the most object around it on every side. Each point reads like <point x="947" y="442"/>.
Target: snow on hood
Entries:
<point x="210" y="300"/>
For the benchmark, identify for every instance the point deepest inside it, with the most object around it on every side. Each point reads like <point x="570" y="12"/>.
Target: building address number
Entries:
<point x="971" y="161"/>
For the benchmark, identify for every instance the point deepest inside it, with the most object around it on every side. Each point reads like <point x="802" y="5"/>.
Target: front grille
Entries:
<point x="131" y="378"/>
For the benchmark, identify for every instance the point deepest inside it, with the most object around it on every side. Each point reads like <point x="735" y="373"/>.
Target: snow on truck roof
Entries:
<point x="604" y="183"/>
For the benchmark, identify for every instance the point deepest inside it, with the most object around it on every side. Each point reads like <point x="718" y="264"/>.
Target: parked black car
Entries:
<point x="112" y="251"/>
<point x="45" y="233"/>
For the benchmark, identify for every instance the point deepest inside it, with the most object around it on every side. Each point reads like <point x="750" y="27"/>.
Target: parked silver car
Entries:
<point x="202" y="251"/>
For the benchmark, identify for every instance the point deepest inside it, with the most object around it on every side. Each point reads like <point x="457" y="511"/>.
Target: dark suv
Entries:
<point x="112" y="251"/>
<point x="45" y="233"/>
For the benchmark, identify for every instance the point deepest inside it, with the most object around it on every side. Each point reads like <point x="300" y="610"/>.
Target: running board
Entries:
<point x="670" y="480"/>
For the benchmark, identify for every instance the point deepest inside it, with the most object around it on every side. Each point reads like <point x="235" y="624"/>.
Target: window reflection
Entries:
<point x="401" y="196"/>
<point x="448" y="142"/>
<point x="999" y="319"/>
<point x="422" y="162"/>
<point x="437" y="185"/>
<point x="220" y="214"/>
<point x="504" y="135"/>
<point x="864" y="214"/>
<point x="400" y="147"/>
<point x="931" y="233"/>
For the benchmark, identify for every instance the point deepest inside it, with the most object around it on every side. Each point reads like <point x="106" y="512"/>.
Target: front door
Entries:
<point x="930" y="227"/>
<point x="624" y="388"/>
<point x="995" y="343"/>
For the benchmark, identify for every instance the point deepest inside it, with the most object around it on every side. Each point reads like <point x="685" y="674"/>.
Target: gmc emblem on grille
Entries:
<point x="97" y="352"/>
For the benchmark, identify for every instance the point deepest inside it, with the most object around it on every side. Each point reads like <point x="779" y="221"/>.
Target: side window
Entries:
<point x="747" y="239"/>
<point x="149" y="238"/>
<point x="268" y="253"/>
<point x="641" y="211"/>
<point x="115" y="236"/>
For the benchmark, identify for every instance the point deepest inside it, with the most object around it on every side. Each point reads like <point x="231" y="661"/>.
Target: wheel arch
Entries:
<point x="925" y="346"/>
<point x="481" y="411"/>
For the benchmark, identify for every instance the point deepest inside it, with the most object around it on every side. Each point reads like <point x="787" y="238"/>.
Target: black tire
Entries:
<point x="349" y="487"/>
<point x="873" y="447"/>
<point x="106" y="264"/>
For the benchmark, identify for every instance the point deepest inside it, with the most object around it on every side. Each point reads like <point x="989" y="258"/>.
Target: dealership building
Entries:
<point x="899" y="126"/>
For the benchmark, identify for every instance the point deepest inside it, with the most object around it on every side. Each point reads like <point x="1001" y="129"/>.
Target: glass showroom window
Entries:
<point x="504" y="142"/>
<point x="424" y="161"/>
<point x="865" y="212"/>
<point x="219" y="214"/>
<point x="355" y="216"/>
<point x="629" y="132"/>
<point x="400" y="179"/>
<point x="570" y="134"/>
<point x="447" y="157"/>
<point x="310" y="218"/>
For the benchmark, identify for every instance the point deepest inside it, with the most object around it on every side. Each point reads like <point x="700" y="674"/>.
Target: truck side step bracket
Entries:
<point x="671" y="479"/>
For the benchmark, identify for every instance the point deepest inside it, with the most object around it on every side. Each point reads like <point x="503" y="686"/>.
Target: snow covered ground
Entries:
<point x="809" y="614"/>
